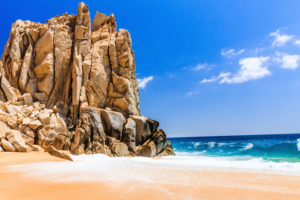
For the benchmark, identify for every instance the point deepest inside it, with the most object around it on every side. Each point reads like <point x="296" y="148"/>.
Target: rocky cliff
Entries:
<point x="71" y="85"/>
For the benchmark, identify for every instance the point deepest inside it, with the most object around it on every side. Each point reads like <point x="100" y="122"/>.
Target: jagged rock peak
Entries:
<point x="64" y="65"/>
<point x="66" y="86"/>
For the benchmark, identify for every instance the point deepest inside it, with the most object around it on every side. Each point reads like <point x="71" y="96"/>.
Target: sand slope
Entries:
<point x="194" y="184"/>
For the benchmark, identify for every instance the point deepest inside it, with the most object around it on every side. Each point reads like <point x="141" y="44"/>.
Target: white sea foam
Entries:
<point x="196" y="144"/>
<point x="298" y="144"/>
<point x="101" y="168"/>
<point x="248" y="146"/>
<point x="211" y="144"/>
<point x="221" y="144"/>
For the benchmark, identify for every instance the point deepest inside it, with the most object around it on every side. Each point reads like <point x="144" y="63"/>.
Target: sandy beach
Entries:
<point x="193" y="184"/>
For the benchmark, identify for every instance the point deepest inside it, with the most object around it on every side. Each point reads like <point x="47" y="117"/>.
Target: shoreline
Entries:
<point x="153" y="182"/>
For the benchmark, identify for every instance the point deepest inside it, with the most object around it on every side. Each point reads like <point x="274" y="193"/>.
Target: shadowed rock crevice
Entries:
<point x="72" y="86"/>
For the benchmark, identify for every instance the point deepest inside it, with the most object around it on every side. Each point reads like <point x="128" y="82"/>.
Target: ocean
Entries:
<point x="278" y="153"/>
<point x="275" y="154"/>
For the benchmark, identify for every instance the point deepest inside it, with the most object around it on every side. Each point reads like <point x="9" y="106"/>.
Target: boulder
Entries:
<point x="9" y="92"/>
<point x="9" y="120"/>
<point x="27" y="99"/>
<point x="30" y="133"/>
<point x="15" y="138"/>
<point x="160" y="139"/>
<point x="114" y="123"/>
<point x="46" y="136"/>
<point x="12" y="109"/>
<point x="130" y="134"/>
<point x="143" y="131"/>
<point x="34" y="124"/>
<point x="100" y="148"/>
<point x="120" y="149"/>
<point x="28" y="140"/>
<point x="153" y="125"/>
<point x="95" y="116"/>
<point x="89" y="135"/>
<point x="60" y="124"/>
<point x="157" y="145"/>
<point x="169" y="151"/>
<point x="44" y="117"/>
<point x="7" y="146"/>
<point x="3" y="129"/>
<point x="148" y="149"/>
<point x="57" y="153"/>
<point x="62" y="142"/>
<point x="35" y="147"/>
<point x="77" y="149"/>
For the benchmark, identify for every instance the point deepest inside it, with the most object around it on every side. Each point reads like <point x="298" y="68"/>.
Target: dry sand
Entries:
<point x="219" y="185"/>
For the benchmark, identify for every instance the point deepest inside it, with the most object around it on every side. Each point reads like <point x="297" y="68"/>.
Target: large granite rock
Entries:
<point x="157" y="145"/>
<point x="129" y="135"/>
<point x="114" y="123"/>
<point x="70" y="84"/>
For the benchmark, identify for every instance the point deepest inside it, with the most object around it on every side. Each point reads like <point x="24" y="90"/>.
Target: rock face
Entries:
<point x="72" y="86"/>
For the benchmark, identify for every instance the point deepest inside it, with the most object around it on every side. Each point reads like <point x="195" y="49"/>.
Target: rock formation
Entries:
<point x="70" y="85"/>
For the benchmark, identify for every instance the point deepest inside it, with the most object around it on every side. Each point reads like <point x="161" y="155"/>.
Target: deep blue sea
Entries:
<point x="279" y="153"/>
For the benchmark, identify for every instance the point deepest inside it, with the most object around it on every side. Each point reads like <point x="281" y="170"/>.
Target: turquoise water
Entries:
<point x="275" y="148"/>
<point x="276" y="154"/>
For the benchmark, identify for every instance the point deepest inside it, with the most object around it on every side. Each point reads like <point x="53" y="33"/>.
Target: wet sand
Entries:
<point x="198" y="184"/>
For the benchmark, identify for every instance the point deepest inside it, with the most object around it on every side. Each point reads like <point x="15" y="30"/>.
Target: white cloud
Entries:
<point x="231" y="53"/>
<point x="288" y="61"/>
<point x="280" y="39"/>
<point x="251" y="68"/>
<point x="199" y="67"/>
<point x="222" y="75"/>
<point x="209" y="80"/>
<point x="142" y="83"/>
<point x="297" y="42"/>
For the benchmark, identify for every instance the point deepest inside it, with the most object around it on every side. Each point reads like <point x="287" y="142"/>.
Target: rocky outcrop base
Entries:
<point x="69" y="85"/>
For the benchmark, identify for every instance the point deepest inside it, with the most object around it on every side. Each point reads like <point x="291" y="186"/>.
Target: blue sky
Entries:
<point x="207" y="67"/>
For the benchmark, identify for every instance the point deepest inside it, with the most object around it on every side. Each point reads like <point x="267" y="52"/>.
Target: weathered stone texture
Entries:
<point x="70" y="84"/>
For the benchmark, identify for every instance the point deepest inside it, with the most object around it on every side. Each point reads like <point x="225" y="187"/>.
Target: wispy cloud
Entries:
<point x="256" y="66"/>
<point x="221" y="76"/>
<point x="288" y="61"/>
<point x="231" y="53"/>
<point x="142" y="83"/>
<point x="199" y="67"/>
<point x="297" y="42"/>
<point x="251" y="68"/>
<point x="280" y="39"/>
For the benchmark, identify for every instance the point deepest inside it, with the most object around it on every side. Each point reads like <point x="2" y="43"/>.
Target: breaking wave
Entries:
<point x="248" y="146"/>
<point x="196" y="144"/>
<point x="102" y="168"/>
<point x="211" y="144"/>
